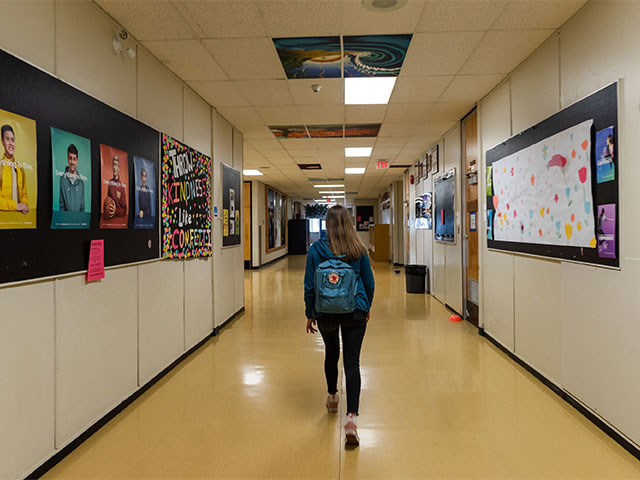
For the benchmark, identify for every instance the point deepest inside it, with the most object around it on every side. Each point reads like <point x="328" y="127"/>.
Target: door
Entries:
<point x="246" y="210"/>
<point x="470" y="161"/>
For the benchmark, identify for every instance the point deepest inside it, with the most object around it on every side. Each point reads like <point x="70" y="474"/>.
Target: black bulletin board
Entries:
<point x="231" y="207"/>
<point x="602" y="107"/>
<point x="444" y="207"/>
<point x="364" y="217"/>
<point x="43" y="252"/>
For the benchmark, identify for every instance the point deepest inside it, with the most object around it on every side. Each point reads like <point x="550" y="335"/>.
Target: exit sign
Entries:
<point x="382" y="164"/>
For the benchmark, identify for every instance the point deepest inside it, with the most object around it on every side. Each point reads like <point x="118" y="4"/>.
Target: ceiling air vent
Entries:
<point x="310" y="166"/>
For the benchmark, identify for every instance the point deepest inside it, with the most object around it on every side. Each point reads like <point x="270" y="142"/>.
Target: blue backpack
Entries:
<point x="335" y="287"/>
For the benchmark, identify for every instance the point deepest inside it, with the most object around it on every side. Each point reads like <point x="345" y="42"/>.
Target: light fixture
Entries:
<point x="357" y="151"/>
<point x="368" y="91"/>
<point x="333" y="197"/>
<point x="251" y="172"/>
<point x="332" y="193"/>
<point x="354" y="170"/>
<point x="329" y="186"/>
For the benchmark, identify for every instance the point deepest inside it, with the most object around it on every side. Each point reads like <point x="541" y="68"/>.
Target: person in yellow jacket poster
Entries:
<point x="18" y="172"/>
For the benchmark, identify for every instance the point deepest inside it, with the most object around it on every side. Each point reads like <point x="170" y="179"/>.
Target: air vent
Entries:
<point x="310" y="166"/>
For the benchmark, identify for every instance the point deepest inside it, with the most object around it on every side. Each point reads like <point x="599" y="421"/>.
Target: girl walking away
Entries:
<point x="338" y="291"/>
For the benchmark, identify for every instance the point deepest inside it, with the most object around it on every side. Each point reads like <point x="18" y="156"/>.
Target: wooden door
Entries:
<point x="470" y="162"/>
<point x="246" y="210"/>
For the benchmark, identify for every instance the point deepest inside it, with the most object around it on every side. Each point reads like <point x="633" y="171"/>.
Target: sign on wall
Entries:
<point x="231" y="207"/>
<point x="186" y="201"/>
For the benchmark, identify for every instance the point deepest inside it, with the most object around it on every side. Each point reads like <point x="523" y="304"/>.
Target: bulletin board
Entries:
<point x="444" y="207"/>
<point x="43" y="251"/>
<point x="587" y="200"/>
<point x="364" y="217"/>
<point x="231" y="207"/>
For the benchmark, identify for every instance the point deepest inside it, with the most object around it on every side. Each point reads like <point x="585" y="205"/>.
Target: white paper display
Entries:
<point x="542" y="194"/>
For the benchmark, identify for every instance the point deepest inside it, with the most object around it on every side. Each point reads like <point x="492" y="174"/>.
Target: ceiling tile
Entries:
<point x="328" y="143"/>
<point x="407" y="112"/>
<point x="219" y="93"/>
<point x="277" y="156"/>
<point x="149" y="19"/>
<point x="280" y="116"/>
<point x="297" y="144"/>
<point x="262" y="145"/>
<point x="401" y="129"/>
<point x="460" y="15"/>
<point x="302" y="18"/>
<point x="241" y="115"/>
<point x="266" y="92"/>
<point x="364" y="113"/>
<point x="423" y="141"/>
<point x="246" y="58"/>
<point x="357" y="20"/>
<point x="186" y="58"/>
<point x="219" y="19"/>
<point x="329" y="94"/>
<point x="412" y="151"/>
<point x="386" y="151"/>
<point x="470" y="88"/>
<point x="359" y="141"/>
<point x="501" y="52"/>
<point x="537" y="14"/>
<point x="430" y="129"/>
<point x="439" y="53"/>
<point x="443" y="112"/>
<point x="391" y="141"/>
<point x="419" y="89"/>
<point x="322" y="114"/>
<point x="255" y="131"/>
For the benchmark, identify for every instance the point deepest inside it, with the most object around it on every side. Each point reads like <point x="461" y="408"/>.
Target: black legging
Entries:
<point x="353" y="326"/>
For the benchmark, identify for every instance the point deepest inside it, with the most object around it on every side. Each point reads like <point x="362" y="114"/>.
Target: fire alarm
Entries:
<point x="411" y="179"/>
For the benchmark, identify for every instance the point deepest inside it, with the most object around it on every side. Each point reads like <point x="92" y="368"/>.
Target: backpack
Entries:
<point x="335" y="287"/>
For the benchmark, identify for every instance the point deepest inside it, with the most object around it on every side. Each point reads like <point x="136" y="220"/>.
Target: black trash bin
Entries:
<point x="415" y="276"/>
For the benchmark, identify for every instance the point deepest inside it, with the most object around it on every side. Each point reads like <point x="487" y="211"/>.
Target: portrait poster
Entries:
<point x="231" y="205"/>
<point x="146" y="191"/>
<point x="276" y="219"/>
<point x="605" y="155"/>
<point x="606" y="230"/>
<point x="489" y="181"/>
<point x="186" y="201"/>
<point x="114" y="188"/>
<point x="435" y="162"/>
<point x="71" y="166"/>
<point x="424" y="218"/>
<point x="18" y="172"/>
<point x="543" y="194"/>
<point x="490" y="224"/>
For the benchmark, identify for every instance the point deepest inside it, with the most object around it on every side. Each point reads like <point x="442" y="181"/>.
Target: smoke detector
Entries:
<point x="383" y="5"/>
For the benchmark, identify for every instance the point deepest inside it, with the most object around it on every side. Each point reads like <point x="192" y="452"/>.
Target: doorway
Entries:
<point x="246" y="210"/>
<point x="470" y="161"/>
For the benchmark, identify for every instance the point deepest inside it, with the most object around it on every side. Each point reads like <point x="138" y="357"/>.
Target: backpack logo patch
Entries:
<point x="333" y="278"/>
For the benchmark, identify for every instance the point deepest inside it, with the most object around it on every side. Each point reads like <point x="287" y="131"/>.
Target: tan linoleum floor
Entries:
<point x="438" y="401"/>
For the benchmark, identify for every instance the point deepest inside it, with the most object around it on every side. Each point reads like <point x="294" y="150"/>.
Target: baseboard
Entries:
<point x="75" y="443"/>
<point x="586" y="412"/>
<point x="269" y="262"/>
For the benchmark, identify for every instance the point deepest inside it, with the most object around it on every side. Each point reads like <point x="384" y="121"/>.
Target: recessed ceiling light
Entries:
<point x="252" y="172"/>
<point x="329" y="186"/>
<point x="354" y="170"/>
<point x="357" y="151"/>
<point x="334" y="196"/>
<point x="368" y="91"/>
<point x="332" y="193"/>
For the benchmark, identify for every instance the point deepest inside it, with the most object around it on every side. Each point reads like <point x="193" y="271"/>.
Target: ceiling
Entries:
<point x="223" y="49"/>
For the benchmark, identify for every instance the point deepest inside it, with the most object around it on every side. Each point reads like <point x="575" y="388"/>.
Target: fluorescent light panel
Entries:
<point x="252" y="172"/>
<point x="335" y="196"/>
<point x="328" y="186"/>
<point x="368" y="91"/>
<point x="354" y="170"/>
<point x="332" y="193"/>
<point x="357" y="151"/>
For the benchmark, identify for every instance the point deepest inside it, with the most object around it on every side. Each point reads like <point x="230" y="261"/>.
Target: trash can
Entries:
<point x="415" y="275"/>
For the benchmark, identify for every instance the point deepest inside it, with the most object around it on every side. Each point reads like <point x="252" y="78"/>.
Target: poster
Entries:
<point x="186" y="201"/>
<point x="231" y="195"/>
<point x="145" y="193"/>
<point x="424" y="219"/>
<point x="605" y="155"/>
<point x="542" y="194"/>
<point x="489" y="181"/>
<point x="18" y="172"/>
<point x="489" y="224"/>
<point x="276" y="219"/>
<point x="606" y="230"/>
<point x="71" y="167"/>
<point x="114" y="188"/>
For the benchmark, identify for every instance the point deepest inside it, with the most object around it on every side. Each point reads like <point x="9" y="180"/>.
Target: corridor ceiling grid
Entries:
<point x="224" y="49"/>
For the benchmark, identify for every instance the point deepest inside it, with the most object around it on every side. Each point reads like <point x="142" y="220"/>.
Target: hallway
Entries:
<point x="438" y="401"/>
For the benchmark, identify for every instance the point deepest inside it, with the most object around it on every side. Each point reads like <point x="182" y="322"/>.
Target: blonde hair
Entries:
<point x="341" y="234"/>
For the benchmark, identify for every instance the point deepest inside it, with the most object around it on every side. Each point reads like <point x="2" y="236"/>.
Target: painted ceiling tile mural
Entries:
<point x="325" y="131"/>
<point x="290" y="131"/>
<point x="310" y="57"/>
<point x="543" y="193"/>
<point x="374" y="55"/>
<point x="369" y="130"/>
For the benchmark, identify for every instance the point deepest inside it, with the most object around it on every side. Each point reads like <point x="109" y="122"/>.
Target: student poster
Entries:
<point x="71" y="167"/>
<point x="231" y="206"/>
<point x="18" y="172"/>
<point x="186" y="201"/>
<point x="145" y="193"/>
<point x="276" y="219"/>
<point x="605" y="155"/>
<point x="114" y="188"/>
<point x="606" y="231"/>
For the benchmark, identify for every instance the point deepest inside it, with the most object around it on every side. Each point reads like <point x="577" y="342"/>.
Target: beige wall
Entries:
<point x="70" y="353"/>
<point x="576" y="324"/>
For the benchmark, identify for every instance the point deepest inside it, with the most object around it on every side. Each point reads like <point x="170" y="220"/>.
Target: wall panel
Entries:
<point x="198" y="300"/>
<point x="197" y="122"/>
